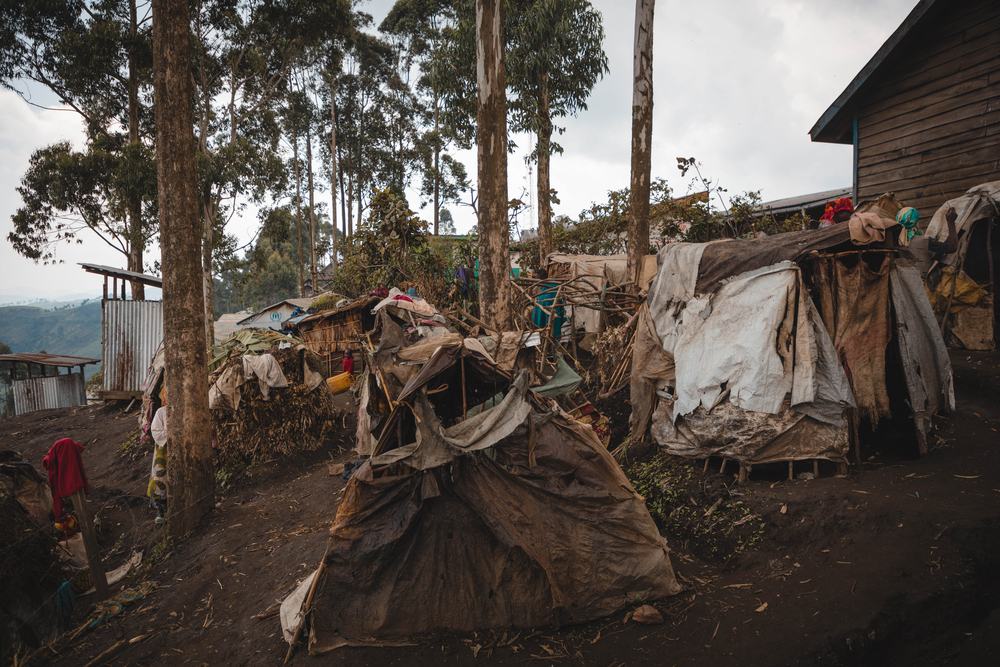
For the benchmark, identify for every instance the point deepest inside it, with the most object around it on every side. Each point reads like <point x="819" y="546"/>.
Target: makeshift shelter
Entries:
<point x="963" y="284"/>
<point x="510" y="516"/>
<point x="38" y="380"/>
<point x="131" y="331"/>
<point x="597" y="274"/>
<point x="771" y="349"/>
<point x="266" y="395"/>
<point x="328" y="333"/>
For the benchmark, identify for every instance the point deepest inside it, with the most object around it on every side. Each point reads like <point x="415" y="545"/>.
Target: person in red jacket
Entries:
<point x="348" y="363"/>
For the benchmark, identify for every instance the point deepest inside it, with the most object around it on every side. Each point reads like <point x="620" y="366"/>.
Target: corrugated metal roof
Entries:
<point x="295" y="303"/>
<point x="805" y="201"/>
<point x="63" y="360"/>
<point x="360" y="302"/>
<point x="111" y="271"/>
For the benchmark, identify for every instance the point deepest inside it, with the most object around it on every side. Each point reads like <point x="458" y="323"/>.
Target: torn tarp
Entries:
<point x="517" y="517"/>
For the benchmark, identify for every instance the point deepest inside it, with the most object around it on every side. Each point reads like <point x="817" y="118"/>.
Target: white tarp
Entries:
<point x="753" y="341"/>
<point x="971" y="206"/>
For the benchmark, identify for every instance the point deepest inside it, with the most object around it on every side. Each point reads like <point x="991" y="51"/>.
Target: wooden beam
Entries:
<point x="90" y="542"/>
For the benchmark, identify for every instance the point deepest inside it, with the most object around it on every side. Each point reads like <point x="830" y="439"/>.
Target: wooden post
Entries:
<point x="743" y="473"/>
<point x="815" y="468"/>
<point x="791" y="470"/>
<point x="90" y="541"/>
<point x="704" y="470"/>
<point x="465" y="402"/>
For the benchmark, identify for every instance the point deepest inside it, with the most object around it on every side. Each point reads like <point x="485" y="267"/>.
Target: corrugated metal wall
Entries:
<point x="61" y="391"/>
<point x="132" y="332"/>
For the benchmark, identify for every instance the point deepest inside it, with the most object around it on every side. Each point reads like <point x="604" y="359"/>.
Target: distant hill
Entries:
<point x="73" y="331"/>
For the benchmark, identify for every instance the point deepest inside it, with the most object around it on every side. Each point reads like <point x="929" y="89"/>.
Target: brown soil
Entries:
<point x="893" y="565"/>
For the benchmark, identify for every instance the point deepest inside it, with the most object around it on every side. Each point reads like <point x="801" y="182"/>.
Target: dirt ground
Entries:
<point x="895" y="564"/>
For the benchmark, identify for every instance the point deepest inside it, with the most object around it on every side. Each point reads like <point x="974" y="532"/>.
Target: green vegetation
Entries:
<point x="75" y="332"/>
<point x="695" y="509"/>
<point x="133" y="448"/>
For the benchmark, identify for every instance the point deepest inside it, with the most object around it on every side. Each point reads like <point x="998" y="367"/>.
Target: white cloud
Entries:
<point x="737" y="84"/>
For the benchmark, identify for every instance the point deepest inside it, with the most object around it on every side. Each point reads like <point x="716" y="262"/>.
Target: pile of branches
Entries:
<point x="292" y="419"/>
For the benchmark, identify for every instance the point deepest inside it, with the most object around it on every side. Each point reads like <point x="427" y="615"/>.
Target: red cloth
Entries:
<point x="836" y="206"/>
<point x="66" y="474"/>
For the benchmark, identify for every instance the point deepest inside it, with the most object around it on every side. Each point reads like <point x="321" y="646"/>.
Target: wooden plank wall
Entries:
<point x="929" y="127"/>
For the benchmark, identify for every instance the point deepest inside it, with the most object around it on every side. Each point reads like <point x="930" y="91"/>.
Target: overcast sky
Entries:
<point x="737" y="84"/>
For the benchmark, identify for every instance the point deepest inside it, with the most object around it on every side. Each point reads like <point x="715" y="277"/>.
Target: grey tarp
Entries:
<point x="756" y="376"/>
<point x="542" y="527"/>
<point x="926" y="365"/>
<point x="722" y="260"/>
<point x="971" y="326"/>
<point x="749" y="437"/>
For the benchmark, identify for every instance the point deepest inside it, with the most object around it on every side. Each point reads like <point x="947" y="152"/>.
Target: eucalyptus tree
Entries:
<point x="642" y="138"/>
<point x="417" y="29"/>
<point x="555" y="56"/>
<point x="244" y="51"/>
<point x="192" y="487"/>
<point x="364" y="136"/>
<point x="491" y="152"/>
<point x="95" y="57"/>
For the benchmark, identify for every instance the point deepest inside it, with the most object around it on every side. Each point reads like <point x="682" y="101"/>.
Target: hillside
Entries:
<point x="73" y="331"/>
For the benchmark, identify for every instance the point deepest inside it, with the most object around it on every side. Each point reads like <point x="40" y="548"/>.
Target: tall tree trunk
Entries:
<point x="314" y="272"/>
<point x="349" y="218"/>
<point x="437" y="165"/>
<point x="343" y="200"/>
<point x="207" y="245"/>
<point x="298" y="195"/>
<point x="491" y="147"/>
<point x="642" y="137"/>
<point x="544" y="156"/>
<point x="192" y="485"/>
<point x="136" y="244"/>
<point x="333" y="168"/>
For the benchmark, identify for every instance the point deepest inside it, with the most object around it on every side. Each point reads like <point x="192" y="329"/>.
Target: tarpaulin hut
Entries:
<point x="963" y="284"/>
<point x="509" y="516"/>
<point x="759" y="350"/>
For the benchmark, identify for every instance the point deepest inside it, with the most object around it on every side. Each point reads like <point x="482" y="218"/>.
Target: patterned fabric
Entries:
<point x="834" y="207"/>
<point x="157" y="488"/>
<point x="908" y="217"/>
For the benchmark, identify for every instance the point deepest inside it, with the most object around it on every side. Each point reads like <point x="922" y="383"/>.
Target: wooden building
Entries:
<point x="924" y="113"/>
<point x="330" y="332"/>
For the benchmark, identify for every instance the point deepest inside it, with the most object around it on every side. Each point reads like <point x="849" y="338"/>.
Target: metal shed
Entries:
<point x="38" y="383"/>
<point x="131" y="332"/>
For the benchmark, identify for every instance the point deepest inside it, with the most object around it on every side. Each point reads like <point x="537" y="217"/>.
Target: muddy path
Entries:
<point x="892" y="565"/>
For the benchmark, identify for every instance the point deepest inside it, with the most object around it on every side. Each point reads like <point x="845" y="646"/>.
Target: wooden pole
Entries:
<point x="305" y="609"/>
<point x="90" y="542"/>
<point x="465" y="400"/>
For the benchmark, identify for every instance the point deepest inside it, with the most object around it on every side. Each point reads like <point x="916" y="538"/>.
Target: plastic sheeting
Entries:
<point x="753" y="341"/>
<point x="926" y="365"/>
<point x="549" y="531"/>
<point x="747" y="436"/>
